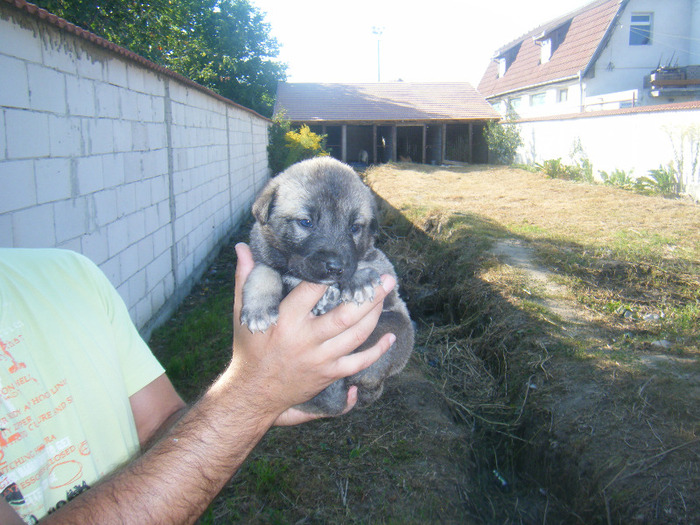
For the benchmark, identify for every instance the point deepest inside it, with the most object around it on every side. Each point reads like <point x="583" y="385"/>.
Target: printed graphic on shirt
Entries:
<point x="34" y="461"/>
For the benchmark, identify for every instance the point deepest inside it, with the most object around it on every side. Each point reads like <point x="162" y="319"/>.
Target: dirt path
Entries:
<point x="543" y="287"/>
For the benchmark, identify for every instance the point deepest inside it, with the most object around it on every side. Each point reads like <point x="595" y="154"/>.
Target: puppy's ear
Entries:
<point x="265" y="201"/>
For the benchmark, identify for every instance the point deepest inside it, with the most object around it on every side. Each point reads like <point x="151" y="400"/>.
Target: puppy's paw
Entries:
<point x="361" y="286"/>
<point x="330" y="300"/>
<point x="260" y="318"/>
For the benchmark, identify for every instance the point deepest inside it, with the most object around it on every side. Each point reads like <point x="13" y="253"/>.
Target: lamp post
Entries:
<point x="376" y="30"/>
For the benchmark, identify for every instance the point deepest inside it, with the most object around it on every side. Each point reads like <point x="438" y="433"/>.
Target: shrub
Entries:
<point x="556" y="169"/>
<point x="662" y="180"/>
<point x="619" y="178"/>
<point x="287" y="146"/>
<point x="277" y="152"/>
<point x="503" y="141"/>
<point x="304" y="144"/>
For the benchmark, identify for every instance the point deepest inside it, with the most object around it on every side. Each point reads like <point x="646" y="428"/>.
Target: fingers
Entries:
<point x="352" y="321"/>
<point x="353" y="363"/>
<point x="244" y="265"/>
<point x="351" y="400"/>
<point x="245" y="261"/>
<point x="301" y="300"/>
<point x="294" y="416"/>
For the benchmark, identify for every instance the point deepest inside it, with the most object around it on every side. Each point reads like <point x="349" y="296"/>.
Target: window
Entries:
<point x="538" y="100"/>
<point x="640" y="29"/>
<point x="562" y="95"/>
<point x="550" y="40"/>
<point x="506" y="59"/>
<point x="501" y="67"/>
<point x="515" y="103"/>
<point x="545" y="51"/>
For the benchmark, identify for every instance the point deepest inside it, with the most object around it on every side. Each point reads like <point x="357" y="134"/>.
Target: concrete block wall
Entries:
<point x="635" y="140"/>
<point x="142" y="171"/>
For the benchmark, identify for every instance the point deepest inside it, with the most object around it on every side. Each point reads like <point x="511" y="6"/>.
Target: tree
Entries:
<point x="224" y="45"/>
<point x="503" y="140"/>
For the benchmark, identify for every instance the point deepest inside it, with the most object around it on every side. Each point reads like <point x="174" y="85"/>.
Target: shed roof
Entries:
<point x="585" y="33"/>
<point x="393" y="101"/>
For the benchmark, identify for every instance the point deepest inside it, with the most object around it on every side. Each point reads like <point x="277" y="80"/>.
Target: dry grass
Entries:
<point x="602" y="418"/>
<point x="539" y="365"/>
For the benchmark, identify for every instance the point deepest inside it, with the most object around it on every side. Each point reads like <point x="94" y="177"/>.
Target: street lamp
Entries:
<point x="378" y="31"/>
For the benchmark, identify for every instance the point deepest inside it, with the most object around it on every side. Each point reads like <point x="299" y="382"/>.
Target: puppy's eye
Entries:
<point x="305" y="223"/>
<point x="355" y="228"/>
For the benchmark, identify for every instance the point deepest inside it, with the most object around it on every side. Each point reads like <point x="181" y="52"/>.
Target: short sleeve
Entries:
<point x="139" y="365"/>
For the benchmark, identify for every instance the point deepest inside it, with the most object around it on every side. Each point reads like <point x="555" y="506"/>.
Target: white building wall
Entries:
<point x="622" y="67"/>
<point x="145" y="174"/>
<point x="634" y="141"/>
<point x="542" y="101"/>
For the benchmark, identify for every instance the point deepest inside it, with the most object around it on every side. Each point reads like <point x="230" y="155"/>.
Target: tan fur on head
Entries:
<point x="316" y="221"/>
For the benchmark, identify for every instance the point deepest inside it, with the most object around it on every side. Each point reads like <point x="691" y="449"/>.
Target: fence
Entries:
<point x="635" y="140"/>
<point x="107" y="154"/>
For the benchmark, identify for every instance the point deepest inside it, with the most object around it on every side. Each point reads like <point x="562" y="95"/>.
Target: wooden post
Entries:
<point x="443" y="142"/>
<point x="344" y="143"/>
<point x="425" y="136"/>
<point x="394" y="143"/>
<point x="471" y="143"/>
<point x="374" y="144"/>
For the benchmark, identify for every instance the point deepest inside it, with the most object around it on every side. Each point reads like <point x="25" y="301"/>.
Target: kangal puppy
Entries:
<point x="317" y="222"/>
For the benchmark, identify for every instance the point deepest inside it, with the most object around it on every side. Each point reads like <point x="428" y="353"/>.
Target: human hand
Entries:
<point x="294" y="416"/>
<point x="302" y="354"/>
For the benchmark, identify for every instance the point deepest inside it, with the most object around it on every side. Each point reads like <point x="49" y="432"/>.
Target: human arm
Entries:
<point x="156" y="407"/>
<point x="176" y="479"/>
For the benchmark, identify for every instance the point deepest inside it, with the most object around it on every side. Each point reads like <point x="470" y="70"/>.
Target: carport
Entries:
<point x="429" y="123"/>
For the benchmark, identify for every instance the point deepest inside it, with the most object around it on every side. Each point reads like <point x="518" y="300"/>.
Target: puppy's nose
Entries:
<point x="334" y="267"/>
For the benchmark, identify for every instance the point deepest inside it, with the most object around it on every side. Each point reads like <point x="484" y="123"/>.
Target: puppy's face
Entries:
<point x="318" y="219"/>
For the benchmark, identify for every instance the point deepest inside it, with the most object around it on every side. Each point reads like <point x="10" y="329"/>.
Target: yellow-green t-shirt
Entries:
<point x="70" y="357"/>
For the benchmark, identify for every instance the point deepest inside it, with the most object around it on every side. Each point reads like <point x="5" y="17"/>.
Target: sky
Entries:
<point x="421" y="41"/>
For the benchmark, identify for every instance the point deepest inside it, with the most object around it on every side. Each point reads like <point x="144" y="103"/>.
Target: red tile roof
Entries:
<point x="585" y="35"/>
<point x="394" y="101"/>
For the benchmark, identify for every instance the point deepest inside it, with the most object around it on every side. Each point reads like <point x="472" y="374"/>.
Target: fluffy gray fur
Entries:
<point x="317" y="222"/>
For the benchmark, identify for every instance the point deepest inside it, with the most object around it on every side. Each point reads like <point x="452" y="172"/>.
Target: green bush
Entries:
<point x="619" y="178"/>
<point x="287" y="146"/>
<point x="277" y="152"/>
<point x="556" y="169"/>
<point x="503" y="141"/>
<point x="662" y="180"/>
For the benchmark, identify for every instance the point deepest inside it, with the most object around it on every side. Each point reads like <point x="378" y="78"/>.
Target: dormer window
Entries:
<point x="550" y="40"/>
<point x="545" y="51"/>
<point x="506" y="59"/>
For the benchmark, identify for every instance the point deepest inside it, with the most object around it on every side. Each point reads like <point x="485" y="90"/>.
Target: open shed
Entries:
<point x="429" y="123"/>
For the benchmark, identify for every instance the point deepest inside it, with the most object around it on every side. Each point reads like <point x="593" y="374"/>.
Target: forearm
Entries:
<point x="176" y="479"/>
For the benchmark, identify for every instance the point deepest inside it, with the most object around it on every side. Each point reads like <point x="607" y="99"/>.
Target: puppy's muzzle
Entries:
<point x="334" y="267"/>
<point x="331" y="266"/>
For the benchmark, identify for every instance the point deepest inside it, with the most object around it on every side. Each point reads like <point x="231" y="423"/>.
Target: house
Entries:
<point x="610" y="54"/>
<point x="381" y="122"/>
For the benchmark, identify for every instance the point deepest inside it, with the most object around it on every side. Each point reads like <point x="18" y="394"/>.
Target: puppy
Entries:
<point x="317" y="222"/>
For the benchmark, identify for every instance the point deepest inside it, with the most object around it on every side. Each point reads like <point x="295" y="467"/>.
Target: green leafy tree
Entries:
<point x="277" y="152"/>
<point x="503" y="139"/>
<point x="224" y="45"/>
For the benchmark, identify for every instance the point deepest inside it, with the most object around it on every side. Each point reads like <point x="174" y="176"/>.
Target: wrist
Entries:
<point x="246" y="391"/>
